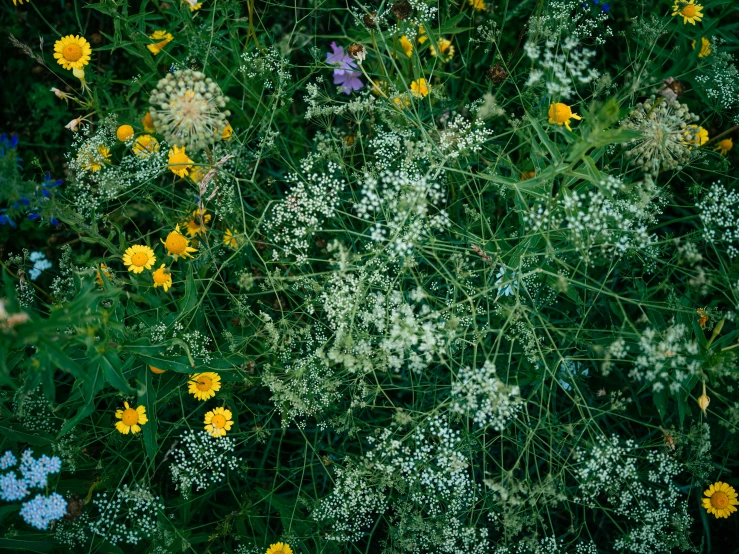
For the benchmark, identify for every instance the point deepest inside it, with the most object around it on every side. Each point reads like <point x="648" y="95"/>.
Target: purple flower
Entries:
<point x="344" y="72"/>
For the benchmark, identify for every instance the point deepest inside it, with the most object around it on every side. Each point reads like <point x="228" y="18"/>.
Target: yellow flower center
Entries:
<point x="719" y="500"/>
<point x="561" y="113"/>
<point x="689" y="11"/>
<point x="204" y="383"/>
<point x="176" y="243"/>
<point x="726" y="144"/>
<point x="130" y="417"/>
<point x="218" y="421"/>
<point x="72" y="52"/>
<point x="139" y="259"/>
<point x="161" y="276"/>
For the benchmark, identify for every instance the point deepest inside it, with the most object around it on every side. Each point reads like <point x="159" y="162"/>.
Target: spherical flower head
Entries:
<point x="72" y="52"/>
<point x="689" y="10"/>
<point x="131" y="419"/>
<point x="145" y="146"/>
<point x="197" y="225"/>
<point x="478" y="5"/>
<point x="406" y="45"/>
<point x="560" y="114"/>
<point x="42" y="510"/>
<point x="218" y="422"/>
<point x="188" y="108"/>
<point x="420" y="88"/>
<point x="721" y="500"/>
<point x="124" y="133"/>
<point x="204" y="385"/>
<point x="162" y="278"/>
<point x="177" y="244"/>
<point x="279" y="548"/>
<point x="139" y="257"/>
<point x="705" y="47"/>
<point x="161" y="39"/>
<point x="445" y="47"/>
<point x="156" y="370"/>
<point x="93" y="159"/>
<point x="723" y="146"/>
<point x="179" y="163"/>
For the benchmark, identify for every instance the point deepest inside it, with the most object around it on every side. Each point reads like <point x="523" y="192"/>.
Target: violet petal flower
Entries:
<point x="349" y="81"/>
<point x="340" y="59"/>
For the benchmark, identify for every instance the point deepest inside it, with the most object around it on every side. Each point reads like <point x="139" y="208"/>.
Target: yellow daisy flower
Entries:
<point x="698" y="135"/>
<point x="194" y="4"/>
<point x="131" y="419"/>
<point x="204" y="385"/>
<point x="139" y="257"/>
<point x="420" y="88"/>
<point x="124" y="132"/>
<point x="156" y="370"/>
<point x="179" y="163"/>
<point x="197" y="225"/>
<point x="721" y="500"/>
<point x="177" y="245"/>
<point x="445" y="47"/>
<point x="228" y="132"/>
<point x="406" y="45"/>
<point x="148" y="123"/>
<point x="162" y="278"/>
<point x="422" y="35"/>
<point x="478" y="5"/>
<point x="218" y="422"/>
<point x="279" y="548"/>
<point x="145" y="146"/>
<point x="705" y="47"/>
<point x="162" y="38"/>
<point x="93" y="160"/>
<point x="560" y="114"/>
<point x="18" y="2"/>
<point x="230" y="240"/>
<point x="724" y="146"/>
<point x="72" y="52"/>
<point x="104" y="268"/>
<point x="689" y="10"/>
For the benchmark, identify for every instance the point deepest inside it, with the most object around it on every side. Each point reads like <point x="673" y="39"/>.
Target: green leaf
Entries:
<point x="113" y="371"/>
<point x="13" y="545"/>
<point x="660" y="401"/>
<point x="148" y="400"/>
<point x="18" y="434"/>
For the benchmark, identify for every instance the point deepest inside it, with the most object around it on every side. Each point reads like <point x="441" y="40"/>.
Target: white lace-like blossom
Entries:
<point x="479" y="394"/>
<point x="202" y="460"/>
<point x="719" y="212"/>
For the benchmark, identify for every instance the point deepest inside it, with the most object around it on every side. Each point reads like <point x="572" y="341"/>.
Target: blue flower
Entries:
<point x="606" y="7"/>
<point x="35" y="472"/>
<point x="8" y="460"/>
<point x="12" y="488"/>
<point x="33" y="217"/>
<point x="49" y="183"/>
<point x="5" y="220"/>
<point x="54" y="221"/>
<point x="42" y="510"/>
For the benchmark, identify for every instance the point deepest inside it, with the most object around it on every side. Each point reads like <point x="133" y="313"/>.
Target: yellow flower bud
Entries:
<point x="703" y="400"/>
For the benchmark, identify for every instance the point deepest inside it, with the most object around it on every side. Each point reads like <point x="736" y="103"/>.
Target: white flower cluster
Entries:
<point x="666" y="359"/>
<point x="128" y="515"/>
<point x="570" y="16"/>
<point x="406" y="208"/>
<point x="719" y="212"/>
<point x="202" y="460"/>
<point x="479" y="394"/>
<point x="649" y="499"/>
<point x="565" y="66"/>
<point x="719" y="81"/>
<point x="268" y="64"/>
<point x="548" y="545"/>
<point x="461" y="136"/>
<point x="431" y="475"/>
<point x="312" y="200"/>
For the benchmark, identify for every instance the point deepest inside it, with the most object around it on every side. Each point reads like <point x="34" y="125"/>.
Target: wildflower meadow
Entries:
<point x="373" y="276"/>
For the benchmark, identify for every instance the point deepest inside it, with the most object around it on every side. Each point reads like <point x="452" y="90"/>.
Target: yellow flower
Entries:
<point x="228" y="132"/>
<point x="689" y="10"/>
<point x="148" y="123"/>
<point x="156" y="370"/>
<point x="139" y="257"/>
<point x="526" y="175"/>
<point x="93" y="160"/>
<point x="145" y="146"/>
<point x="72" y="52"/>
<point x="695" y="134"/>
<point x="131" y="419"/>
<point x="194" y="5"/>
<point x="104" y="268"/>
<point x="445" y="47"/>
<point x="560" y="114"/>
<point x="177" y="245"/>
<point x="704" y="401"/>
<point x="204" y="385"/>
<point x="420" y="88"/>
<point x="422" y="35"/>
<point x="162" y="38"/>
<point x="162" y="278"/>
<point x="218" y="422"/>
<point x="406" y="45"/>
<point x="721" y="500"/>
<point x="279" y="548"/>
<point x="230" y="240"/>
<point x="17" y="2"/>
<point x="179" y="163"/>
<point x="724" y="146"/>
<point x="197" y="225"/>
<point x="705" y="47"/>
<point x="124" y="133"/>
<point x="478" y="5"/>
